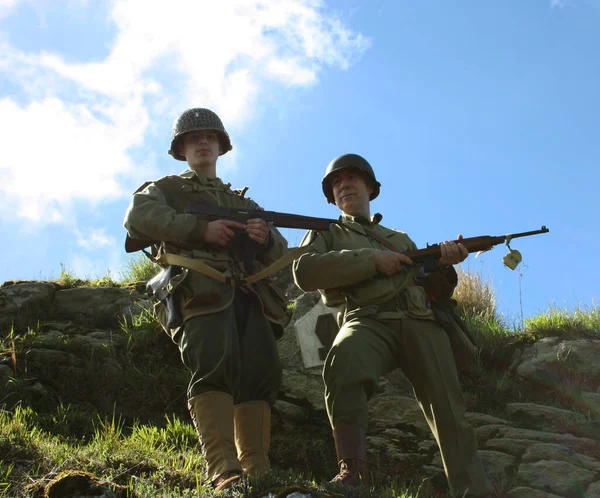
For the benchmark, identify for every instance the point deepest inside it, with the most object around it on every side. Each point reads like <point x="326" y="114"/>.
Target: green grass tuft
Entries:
<point x="583" y="321"/>
<point x="139" y="268"/>
<point x="68" y="278"/>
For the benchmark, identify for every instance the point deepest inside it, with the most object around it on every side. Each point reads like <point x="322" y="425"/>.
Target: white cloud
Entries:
<point x="100" y="255"/>
<point x="59" y="153"/>
<point x="94" y="239"/>
<point x="225" y="51"/>
<point x="71" y="140"/>
<point x="6" y="6"/>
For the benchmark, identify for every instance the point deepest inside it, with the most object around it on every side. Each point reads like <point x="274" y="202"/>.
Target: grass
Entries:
<point x="137" y="269"/>
<point x="132" y="430"/>
<point x="139" y="367"/>
<point x="583" y="321"/>
<point x="475" y="297"/>
<point x="476" y="302"/>
<point x="147" y="446"/>
<point x="139" y="460"/>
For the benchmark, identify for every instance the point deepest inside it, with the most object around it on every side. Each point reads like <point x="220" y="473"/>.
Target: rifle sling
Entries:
<point x="209" y="271"/>
<point x="381" y="240"/>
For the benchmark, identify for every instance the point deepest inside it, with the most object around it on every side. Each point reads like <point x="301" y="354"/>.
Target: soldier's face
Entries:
<point x="201" y="147"/>
<point x="351" y="191"/>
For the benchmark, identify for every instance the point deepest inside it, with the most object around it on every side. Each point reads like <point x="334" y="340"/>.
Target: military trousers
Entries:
<point x="365" y="349"/>
<point x="232" y="351"/>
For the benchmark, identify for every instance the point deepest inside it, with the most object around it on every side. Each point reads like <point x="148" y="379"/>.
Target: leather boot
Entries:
<point x="350" y="447"/>
<point x="253" y="436"/>
<point x="226" y="479"/>
<point x="212" y="413"/>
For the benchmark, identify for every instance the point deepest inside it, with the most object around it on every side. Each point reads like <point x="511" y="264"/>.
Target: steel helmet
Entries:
<point x="349" y="161"/>
<point x="194" y="119"/>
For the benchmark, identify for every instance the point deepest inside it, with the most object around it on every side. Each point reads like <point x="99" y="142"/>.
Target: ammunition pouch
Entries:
<point x="163" y="288"/>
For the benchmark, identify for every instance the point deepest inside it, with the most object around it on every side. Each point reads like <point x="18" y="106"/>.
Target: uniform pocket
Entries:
<point x="416" y="302"/>
<point x="273" y="299"/>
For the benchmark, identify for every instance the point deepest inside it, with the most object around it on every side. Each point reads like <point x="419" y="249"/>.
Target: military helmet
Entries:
<point x="194" y="119"/>
<point x="349" y="161"/>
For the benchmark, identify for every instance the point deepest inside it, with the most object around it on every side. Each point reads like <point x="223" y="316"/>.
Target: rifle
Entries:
<point x="428" y="256"/>
<point x="210" y="212"/>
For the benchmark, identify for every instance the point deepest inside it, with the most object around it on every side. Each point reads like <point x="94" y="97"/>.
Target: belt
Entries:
<point x="395" y="307"/>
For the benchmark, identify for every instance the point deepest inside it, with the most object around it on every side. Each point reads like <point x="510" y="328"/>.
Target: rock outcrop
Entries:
<point x="536" y="419"/>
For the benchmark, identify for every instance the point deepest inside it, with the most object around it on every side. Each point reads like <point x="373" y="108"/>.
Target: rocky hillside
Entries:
<point x="535" y="404"/>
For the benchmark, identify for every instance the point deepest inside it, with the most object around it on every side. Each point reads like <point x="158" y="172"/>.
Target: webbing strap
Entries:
<point x="381" y="240"/>
<point x="279" y="264"/>
<point x="233" y="281"/>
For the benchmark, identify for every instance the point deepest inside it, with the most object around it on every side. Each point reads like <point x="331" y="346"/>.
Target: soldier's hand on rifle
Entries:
<point x="258" y="230"/>
<point x="453" y="253"/>
<point x="220" y="232"/>
<point x="390" y="262"/>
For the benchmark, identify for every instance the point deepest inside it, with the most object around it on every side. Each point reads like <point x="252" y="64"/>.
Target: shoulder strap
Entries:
<point x="209" y="271"/>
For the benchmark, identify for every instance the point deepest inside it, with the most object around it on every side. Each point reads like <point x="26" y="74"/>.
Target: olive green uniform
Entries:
<point x="226" y="340"/>
<point x="386" y="323"/>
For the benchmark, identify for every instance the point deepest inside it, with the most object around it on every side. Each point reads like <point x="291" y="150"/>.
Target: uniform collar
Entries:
<point x="375" y="219"/>
<point x="202" y="178"/>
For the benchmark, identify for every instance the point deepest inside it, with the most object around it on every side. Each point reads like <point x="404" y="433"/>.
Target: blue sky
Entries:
<point x="480" y="118"/>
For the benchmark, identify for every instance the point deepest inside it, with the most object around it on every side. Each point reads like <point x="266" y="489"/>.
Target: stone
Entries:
<point x="531" y="413"/>
<point x="498" y="463"/>
<point x="525" y="492"/>
<point x="23" y="304"/>
<point x="397" y="411"/>
<point x="559" y="453"/>
<point x="561" y="478"/>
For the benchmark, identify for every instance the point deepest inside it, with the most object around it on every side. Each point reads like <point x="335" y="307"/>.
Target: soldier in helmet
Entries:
<point x="386" y="322"/>
<point x="227" y="339"/>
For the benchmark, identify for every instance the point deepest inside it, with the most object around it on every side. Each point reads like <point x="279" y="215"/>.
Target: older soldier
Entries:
<point x="226" y="339"/>
<point x="386" y="323"/>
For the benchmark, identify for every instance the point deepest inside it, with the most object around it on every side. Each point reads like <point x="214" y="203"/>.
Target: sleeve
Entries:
<point x="322" y="269"/>
<point x="150" y="217"/>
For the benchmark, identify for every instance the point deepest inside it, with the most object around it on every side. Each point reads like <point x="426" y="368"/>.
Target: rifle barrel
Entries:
<point x="527" y="234"/>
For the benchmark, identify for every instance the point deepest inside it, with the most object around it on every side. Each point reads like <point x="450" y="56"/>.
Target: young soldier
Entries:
<point x="386" y="323"/>
<point x="226" y="339"/>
